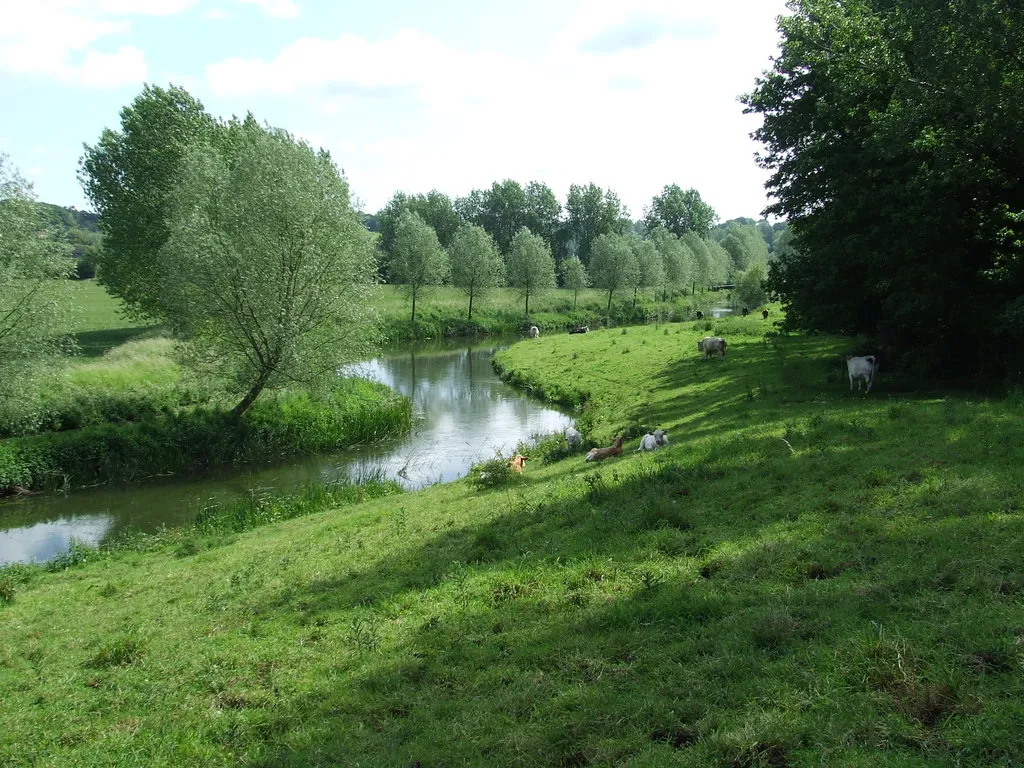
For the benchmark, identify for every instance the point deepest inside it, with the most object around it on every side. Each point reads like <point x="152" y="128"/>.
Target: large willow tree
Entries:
<point x="266" y="266"/>
<point x="892" y="130"/>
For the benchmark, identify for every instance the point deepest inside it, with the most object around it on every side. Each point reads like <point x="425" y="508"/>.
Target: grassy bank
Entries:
<point x="442" y="314"/>
<point x="804" y="577"/>
<point x="182" y="440"/>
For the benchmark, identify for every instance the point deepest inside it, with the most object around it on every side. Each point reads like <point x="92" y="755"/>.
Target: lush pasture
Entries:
<point x="804" y="577"/>
<point x="99" y="322"/>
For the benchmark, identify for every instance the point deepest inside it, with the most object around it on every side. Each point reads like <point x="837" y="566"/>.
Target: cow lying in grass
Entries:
<point x="652" y="441"/>
<point x="598" y="454"/>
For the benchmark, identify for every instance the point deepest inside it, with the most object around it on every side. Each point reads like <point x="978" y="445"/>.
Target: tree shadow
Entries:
<point x="652" y="600"/>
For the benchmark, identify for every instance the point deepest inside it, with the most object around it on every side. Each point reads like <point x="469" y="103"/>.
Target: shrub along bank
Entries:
<point x="350" y="411"/>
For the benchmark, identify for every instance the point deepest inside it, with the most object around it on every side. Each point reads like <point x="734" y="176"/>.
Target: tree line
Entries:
<point x="523" y="238"/>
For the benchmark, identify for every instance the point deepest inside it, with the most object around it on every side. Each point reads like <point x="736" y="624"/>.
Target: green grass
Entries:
<point x="804" y="577"/>
<point x="100" y="323"/>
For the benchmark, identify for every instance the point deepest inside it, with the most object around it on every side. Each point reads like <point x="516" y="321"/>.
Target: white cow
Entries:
<point x="861" y="369"/>
<point x="709" y="345"/>
<point x="573" y="438"/>
<point x="652" y="441"/>
<point x="534" y="332"/>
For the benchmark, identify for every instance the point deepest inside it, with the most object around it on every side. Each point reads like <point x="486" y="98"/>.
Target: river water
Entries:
<point x="464" y="413"/>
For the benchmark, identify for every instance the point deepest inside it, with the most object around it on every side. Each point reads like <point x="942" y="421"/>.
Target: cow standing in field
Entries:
<point x="862" y="369"/>
<point x="764" y="314"/>
<point x="534" y="332"/>
<point x="746" y="311"/>
<point x="700" y="315"/>
<point x="709" y="345"/>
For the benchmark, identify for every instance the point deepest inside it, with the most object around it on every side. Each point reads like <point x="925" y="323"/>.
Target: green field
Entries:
<point x="100" y="323"/>
<point x="805" y="577"/>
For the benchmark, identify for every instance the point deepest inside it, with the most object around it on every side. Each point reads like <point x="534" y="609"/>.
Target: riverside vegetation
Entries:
<point x="126" y="410"/>
<point x="804" y="577"/>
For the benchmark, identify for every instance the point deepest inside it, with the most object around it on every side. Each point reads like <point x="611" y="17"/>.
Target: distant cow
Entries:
<point x="534" y="332"/>
<point x="573" y="438"/>
<point x="599" y="454"/>
<point x="700" y="315"/>
<point x="652" y="441"/>
<point x="580" y="329"/>
<point x="517" y="462"/>
<point x="861" y="369"/>
<point x="764" y="314"/>
<point x="746" y="311"/>
<point x="709" y="345"/>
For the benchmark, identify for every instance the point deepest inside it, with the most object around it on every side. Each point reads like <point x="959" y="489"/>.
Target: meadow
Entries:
<point x="805" y="576"/>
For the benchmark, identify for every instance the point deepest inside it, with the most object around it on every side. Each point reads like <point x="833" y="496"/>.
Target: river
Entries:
<point x="463" y="413"/>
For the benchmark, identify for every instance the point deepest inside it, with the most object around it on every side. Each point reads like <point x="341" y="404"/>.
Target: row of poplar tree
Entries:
<point x="520" y="237"/>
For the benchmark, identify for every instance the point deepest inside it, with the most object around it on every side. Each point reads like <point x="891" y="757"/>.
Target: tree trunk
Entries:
<point x="527" y="303"/>
<point x="413" y="321"/>
<point x="609" y="310"/>
<point x="574" y="294"/>
<point x="251" y="395"/>
<point x="634" y="297"/>
<point x="470" y="307"/>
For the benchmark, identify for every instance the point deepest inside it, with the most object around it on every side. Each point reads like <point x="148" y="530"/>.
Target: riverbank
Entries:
<point x="804" y="576"/>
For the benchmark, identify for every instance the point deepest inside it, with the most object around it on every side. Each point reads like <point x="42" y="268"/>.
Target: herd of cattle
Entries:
<point x="861" y="369"/>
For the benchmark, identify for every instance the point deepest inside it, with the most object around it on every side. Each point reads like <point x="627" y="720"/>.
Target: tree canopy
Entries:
<point x="418" y="260"/>
<point x="34" y="267"/>
<point x="476" y="265"/>
<point x="612" y="264"/>
<point x="680" y="212"/>
<point x="266" y="267"/>
<point x="590" y="213"/>
<point x="574" y="276"/>
<point x="892" y="130"/>
<point x="129" y="176"/>
<point x="531" y="267"/>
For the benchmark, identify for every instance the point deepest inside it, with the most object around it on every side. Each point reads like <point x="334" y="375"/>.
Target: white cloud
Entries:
<point x="629" y="96"/>
<point x="57" y="38"/>
<point x="281" y="9"/>
<point x="215" y="14"/>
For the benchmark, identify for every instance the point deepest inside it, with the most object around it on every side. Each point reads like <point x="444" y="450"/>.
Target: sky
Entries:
<point x="407" y="95"/>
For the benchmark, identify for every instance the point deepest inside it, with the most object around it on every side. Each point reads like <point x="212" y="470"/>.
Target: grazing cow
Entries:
<point x="580" y="329"/>
<point x="746" y="311"/>
<point x="709" y="345"/>
<point x="861" y="369"/>
<point x="700" y="315"/>
<point x="764" y="314"/>
<point x="597" y="454"/>
<point x="573" y="438"/>
<point x="534" y="332"/>
<point x="517" y="462"/>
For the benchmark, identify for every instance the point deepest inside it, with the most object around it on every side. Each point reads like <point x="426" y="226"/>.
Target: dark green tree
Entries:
<point x="128" y="175"/>
<point x="590" y="213"/>
<point x="680" y="212"/>
<point x="892" y="133"/>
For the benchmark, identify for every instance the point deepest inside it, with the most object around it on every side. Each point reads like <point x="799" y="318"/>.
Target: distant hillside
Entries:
<point x="80" y="229"/>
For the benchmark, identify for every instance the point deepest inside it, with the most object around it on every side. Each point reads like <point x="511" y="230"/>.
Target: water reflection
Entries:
<point x="463" y="413"/>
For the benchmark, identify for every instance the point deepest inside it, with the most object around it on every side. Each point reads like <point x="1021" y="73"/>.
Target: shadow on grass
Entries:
<point x="95" y="343"/>
<point x="731" y="605"/>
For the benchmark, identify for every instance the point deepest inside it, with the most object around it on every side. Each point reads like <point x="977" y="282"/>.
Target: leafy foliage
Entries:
<point x="574" y="277"/>
<point x="612" y="264"/>
<point x="129" y="176"/>
<point x="34" y="305"/>
<point x="418" y="261"/>
<point x="531" y="267"/>
<point x="891" y="131"/>
<point x="266" y="268"/>
<point x="476" y="265"/>
<point x="680" y="212"/>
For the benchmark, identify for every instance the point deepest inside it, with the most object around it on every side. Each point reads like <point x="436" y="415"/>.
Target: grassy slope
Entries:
<point x="99" y="323"/>
<point x="804" y="577"/>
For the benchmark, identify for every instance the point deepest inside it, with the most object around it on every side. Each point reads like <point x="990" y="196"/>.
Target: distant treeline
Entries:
<point x="80" y="229"/>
